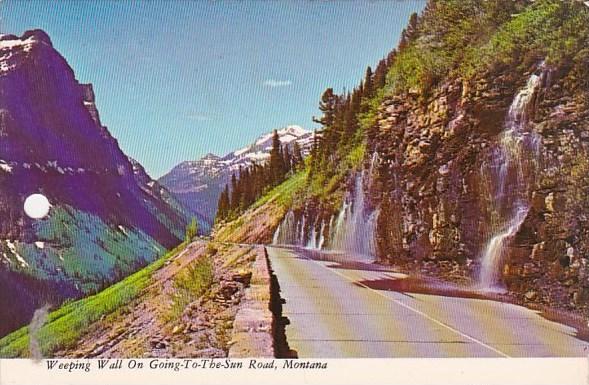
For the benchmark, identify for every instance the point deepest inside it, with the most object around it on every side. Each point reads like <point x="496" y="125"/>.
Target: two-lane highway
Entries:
<point x="344" y="308"/>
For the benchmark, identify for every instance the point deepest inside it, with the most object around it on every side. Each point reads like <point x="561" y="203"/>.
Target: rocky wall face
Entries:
<point x="438" y="193"/>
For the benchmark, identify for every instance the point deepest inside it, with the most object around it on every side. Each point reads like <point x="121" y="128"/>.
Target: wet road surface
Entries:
<point x="341" y="307"/>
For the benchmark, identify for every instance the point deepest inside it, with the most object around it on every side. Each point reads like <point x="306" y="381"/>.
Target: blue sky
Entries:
<point x="177" y="79"/>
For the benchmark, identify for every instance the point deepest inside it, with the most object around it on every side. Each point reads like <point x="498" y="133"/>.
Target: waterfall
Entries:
<point x="321" y="240"/>
<point x="351" y="233"/>
<point x="286" y="233"/>
<point x="276" y="236"/>
<point x="512" y="164"/>
<point x="354" y="229"/>
<point x="354" y="226"/>
<point x="301" y="238"/>
<point x="312" y="243"/>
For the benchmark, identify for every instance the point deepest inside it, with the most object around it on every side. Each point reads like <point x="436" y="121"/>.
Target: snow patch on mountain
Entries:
<point x="198" y="183"/>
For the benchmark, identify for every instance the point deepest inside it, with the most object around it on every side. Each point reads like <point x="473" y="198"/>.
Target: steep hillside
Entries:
<point x="464" y="154"/>
<point x="258" y="224"/>
<point x="107" y="218"/>
<point x="199" y="183"/>
<point x="181" y="305"/>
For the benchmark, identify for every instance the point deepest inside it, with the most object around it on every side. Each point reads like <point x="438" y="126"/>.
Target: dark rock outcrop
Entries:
<point x="439" y="151"/>
<point x="105" y="210"/>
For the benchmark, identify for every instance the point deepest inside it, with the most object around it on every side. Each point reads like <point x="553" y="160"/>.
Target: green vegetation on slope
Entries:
<point x="191" y="283"/>
<point x="264" y="215"/>
<point x="450" y="39"/>
<point x="253" y="181"/>
<point x="66" y="325"/>
<point x="284" y="193"/>
<point x="462" y="38"/>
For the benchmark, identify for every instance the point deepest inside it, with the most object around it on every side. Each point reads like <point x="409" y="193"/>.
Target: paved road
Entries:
<point x="339" y="307"/>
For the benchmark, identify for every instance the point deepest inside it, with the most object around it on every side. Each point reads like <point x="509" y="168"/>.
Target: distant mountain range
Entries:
<point x="198" y="184"/>
<point x="107" y="218"/>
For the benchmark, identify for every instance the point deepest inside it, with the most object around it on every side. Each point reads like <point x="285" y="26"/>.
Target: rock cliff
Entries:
<point x="107" y="216"/>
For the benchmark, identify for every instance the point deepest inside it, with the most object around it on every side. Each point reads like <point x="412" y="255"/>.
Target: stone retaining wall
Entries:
<point x="252" y="328"/>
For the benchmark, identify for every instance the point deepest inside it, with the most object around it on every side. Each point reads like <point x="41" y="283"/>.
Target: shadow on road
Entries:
<point x="433" y="286"/>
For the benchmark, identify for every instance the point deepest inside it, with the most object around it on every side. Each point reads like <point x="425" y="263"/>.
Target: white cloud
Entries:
<point x="277" y="83"/>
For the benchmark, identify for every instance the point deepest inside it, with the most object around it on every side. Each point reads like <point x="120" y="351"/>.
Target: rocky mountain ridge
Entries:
<point x="198" y="184"/>
<point x="107" y="216"/>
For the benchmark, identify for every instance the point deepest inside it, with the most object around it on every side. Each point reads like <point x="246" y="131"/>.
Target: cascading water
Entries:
<point x="312" y="242"/>
<point x="301" y="237"/>
<point x="512" y="166"/>
<point x="321" y="240"/>
<point x="354" y="230"/>
<point x="286" y="233"/>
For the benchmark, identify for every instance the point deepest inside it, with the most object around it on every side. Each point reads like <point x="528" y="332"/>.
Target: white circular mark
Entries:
<point x="37" y="206"/>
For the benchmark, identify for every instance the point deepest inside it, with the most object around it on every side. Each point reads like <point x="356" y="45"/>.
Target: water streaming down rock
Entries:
<point x="321" y="240"/>
<point x="353" y="230"/>
<point x="512" y="168"/>
<point x="355" y="225"/>
<point x="286" y="233"/>
<point x="312" y="242"/>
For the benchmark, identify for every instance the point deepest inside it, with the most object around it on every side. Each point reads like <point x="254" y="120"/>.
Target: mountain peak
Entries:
<point x="293" y="130"/>
<point x="29" y="37"/>
<point x="199" y="183"/>
<point x="39" y="35"/>
<point x="15" y="50"/>
<point x="210" y="156"/>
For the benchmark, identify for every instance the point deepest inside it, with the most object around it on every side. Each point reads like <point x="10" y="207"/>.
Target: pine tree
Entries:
<point x="391" y="58"/>
<point x="313" y="154"/>
<point x="327" y="106"/>
<point x="368" y="83"/>
<point x="223" y="206"/>
<point x="380" y="74"/>
<point x="297" y="156"/>
<point x="234" y="200"/>
<point x="351" y="123"/>
<point x="191" y="230"/>
<point x="245" y="189"/>
<point x="411" y="30"/>
<point x="287" y="160"/>
<point x="281" y="171"/>
<point x="403" y="41"/>
<point x="276" y="161"/>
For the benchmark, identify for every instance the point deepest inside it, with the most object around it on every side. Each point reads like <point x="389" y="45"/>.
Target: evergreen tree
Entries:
<point x="313" y="154"/>
<point x="276" y="161"/>
<point x="380" y="74"/>
<point x="391" y="58"/>
<point x="287" y="160"/>
<point x="351" y="123"/>
<point x="368" y="83"/>
<point x="234" y="200"/>
<point x="411" y="30"/>
<point x="191" y="230"/>
<point x="223" y="206"/>
<point x="245" y="189"/>
<point x="327" y="106"/>
<point x="297" y="156"/>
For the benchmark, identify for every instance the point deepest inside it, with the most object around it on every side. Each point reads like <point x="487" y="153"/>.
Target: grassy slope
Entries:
<point x="257" y="224"/>
<point x="65" y="325"/>
<point x="467" y="37"/>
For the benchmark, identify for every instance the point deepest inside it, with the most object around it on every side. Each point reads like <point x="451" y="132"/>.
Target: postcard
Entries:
<point x="294" y="192"/>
